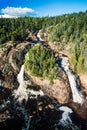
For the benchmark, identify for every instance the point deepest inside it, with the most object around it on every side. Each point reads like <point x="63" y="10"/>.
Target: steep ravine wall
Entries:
<point x="59" y="90"/>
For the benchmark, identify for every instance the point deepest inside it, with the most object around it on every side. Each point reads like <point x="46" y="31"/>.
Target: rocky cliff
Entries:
<point x="11" y="59"/>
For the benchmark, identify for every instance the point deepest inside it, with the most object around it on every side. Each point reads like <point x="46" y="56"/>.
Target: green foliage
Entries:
<point x="39" y="61"/>
<point x="59" y="27"/>
<point x="73" y="61"/>
<point x="79" y="57"/>
<point x="69" y="28"/>
<point x="66" y="30"/>
<point x="71" y="31"/>
<point x="80" y="64"/>
<point x="19" y="28"/>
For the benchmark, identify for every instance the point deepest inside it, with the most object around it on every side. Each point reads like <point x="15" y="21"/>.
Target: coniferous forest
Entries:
<point x="43" y="72"/>
<point x="66" y="31"/>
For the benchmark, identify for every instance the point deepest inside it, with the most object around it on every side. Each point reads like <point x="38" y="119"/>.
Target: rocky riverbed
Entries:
<point x="42" y="111"/>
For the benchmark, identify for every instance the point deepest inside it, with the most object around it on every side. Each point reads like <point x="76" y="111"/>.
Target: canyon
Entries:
<point x="29" y="101"/>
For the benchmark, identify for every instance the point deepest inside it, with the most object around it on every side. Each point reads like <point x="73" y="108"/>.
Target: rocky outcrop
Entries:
<point x="16" y="55"/>
<point x="32" y="37"/>
<point x="59" y="90"/>
<point x="11" y="59"/>
<point x="10" y="109"/>
<point x="83" y="80"/>
<point x="40" y="108"/>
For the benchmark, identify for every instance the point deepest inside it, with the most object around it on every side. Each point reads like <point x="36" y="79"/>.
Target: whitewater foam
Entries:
<point x="76" y="94"/>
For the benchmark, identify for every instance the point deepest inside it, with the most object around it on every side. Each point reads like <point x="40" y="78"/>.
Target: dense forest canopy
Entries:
<point x="70" y="25"/>
<point x="40" y="62"/>
<point x="66" y="30"/>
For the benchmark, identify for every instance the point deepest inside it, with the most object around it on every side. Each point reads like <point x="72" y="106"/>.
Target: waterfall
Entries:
<point x="21" y="96"/>
<point x="22" y="92"/>
<point x="76" y="93"/>
<point x="39" y="37"/>
<point x="65" y="120"/>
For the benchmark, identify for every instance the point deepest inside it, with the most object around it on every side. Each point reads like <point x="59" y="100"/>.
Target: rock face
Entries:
<point x="13" y="58"/>
<point x="83" y="80"/>
<point x="17" y="54"/>
<point x="40" y="108"/>
<point x="11" y="110"/>
<point x="59" y="90"/>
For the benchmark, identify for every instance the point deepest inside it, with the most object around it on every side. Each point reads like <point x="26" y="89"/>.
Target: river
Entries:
<point x="73" y="81"/>
<point x="38" y="111"/>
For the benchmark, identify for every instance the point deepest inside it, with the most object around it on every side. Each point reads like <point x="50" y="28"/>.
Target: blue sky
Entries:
<point x="16" y="8"/>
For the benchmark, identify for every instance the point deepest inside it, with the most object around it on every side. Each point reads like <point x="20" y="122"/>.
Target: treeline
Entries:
<point x="65" y="27"/>
<point x="70" y="33"/>
<point x="18" y="29"/>
<point x="68" y="28"/>
<point x="66" y="31"/>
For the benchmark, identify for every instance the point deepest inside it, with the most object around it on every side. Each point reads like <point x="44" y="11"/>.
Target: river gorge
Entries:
<point x="29" y="105"/>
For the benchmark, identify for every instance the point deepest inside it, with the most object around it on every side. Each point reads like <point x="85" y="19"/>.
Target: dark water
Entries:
<point x="44" y="115"/>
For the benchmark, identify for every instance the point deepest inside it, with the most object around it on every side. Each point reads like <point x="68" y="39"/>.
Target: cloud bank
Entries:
<point x="12" y="12"/>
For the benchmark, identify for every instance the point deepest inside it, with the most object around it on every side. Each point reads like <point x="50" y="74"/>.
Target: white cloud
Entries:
<point x="12" y="12"/>
<point x="7" y="16"/>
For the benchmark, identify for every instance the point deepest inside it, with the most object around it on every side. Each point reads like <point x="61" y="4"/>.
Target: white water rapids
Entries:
<point x="22" y="92"/>
<point x="22" y="95"/>
<point x="65" y="120"/>
<point x="76" y="94"/>
<point x="65" y="115"/>
<point x="39" y="37"/>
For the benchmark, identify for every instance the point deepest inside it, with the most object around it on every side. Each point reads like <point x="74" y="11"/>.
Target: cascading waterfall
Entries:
<point x="21" y="96"/>
<point x="66" y="121"/>
<point x="76" y="93"/>
<point x="39" y="37"/>
<point x="65" y="115"/>
<point x="21" y="93"/>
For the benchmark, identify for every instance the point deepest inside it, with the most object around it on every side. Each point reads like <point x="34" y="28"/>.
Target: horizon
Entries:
<point x="37" y="8"/>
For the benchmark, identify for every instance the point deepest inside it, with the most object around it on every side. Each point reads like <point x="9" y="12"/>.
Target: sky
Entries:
<point x="40" y="8"/>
